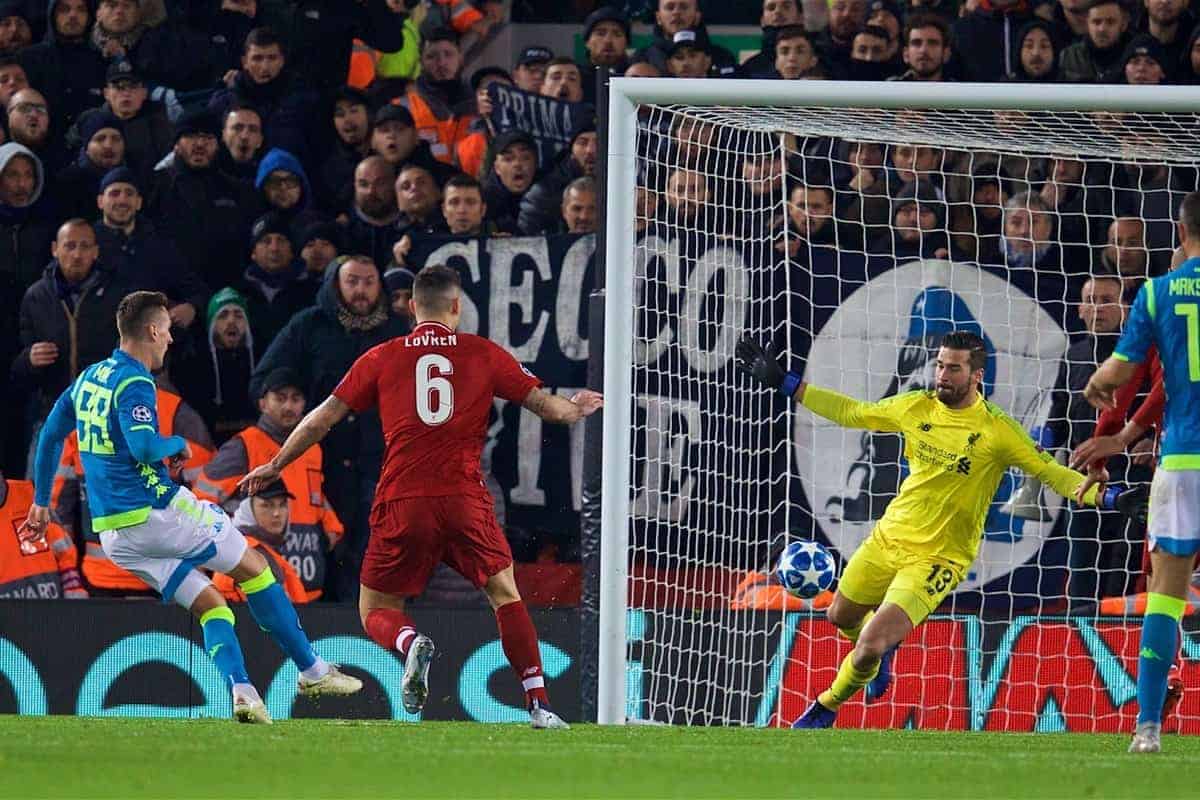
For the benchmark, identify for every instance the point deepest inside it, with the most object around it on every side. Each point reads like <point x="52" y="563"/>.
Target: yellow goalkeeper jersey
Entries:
<point x="956" y="458"/>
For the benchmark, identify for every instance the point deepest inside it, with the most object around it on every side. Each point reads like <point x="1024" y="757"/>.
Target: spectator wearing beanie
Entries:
<point x="1035" y="54"/>
<point x="1144" y="62"/>
<point x="440" y="102"/>
<point x="396" y="138"/>
<point x="16" y="34"/>
<point x="26" y="225"/>
<point x="1097" y="57"/>
<point x="918" y="224"/>
<point x="984" y="38"/>
<point x="682" y="15"/>
<point x="265" y="84"/>
<point x="241" y="145"/>
<point x="542" y="204"/>
<point x="606" y="39"/>
<point x="144" y="124"/>
<point x="472" y="149"/>
<point x="168" y="54"/>
<point x="776" y="14"/>
<point x="284" y="188"/>
<point x="351" y="315"/>
<point x="65" y="66"/>
<point x="132" y="247"/>
<point x="215" y="378"/>
<point x="351" y="144"/>
<point x="204" y="211"/>
<point x="319" y="244"/>
<point x="103" y="149"/>
<point x="1170" y="23"/>
<point x="276" y="283"/>
<point x="514" y="165"/>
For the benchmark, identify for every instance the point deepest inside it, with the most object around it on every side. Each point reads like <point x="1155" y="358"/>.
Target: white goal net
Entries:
<point x="854" y="239"/>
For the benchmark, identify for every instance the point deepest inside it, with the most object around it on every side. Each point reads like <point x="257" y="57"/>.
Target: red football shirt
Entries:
<point x="434" y="389"/>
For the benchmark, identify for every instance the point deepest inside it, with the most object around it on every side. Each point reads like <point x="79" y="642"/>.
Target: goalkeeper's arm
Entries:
<point x="763" y="365"/>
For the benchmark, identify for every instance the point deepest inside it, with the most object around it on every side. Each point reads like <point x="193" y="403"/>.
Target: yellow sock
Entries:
<point x="848" y="681"/>
<point x="853" y="633"/>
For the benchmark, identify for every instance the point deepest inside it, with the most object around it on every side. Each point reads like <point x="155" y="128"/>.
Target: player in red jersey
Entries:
<point x="434" y="389"/>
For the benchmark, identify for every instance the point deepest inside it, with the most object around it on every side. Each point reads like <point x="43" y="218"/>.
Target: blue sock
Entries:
<point x="1156" y="654"/>
<point x="274" y="613"/>
<point x="221" y="642"/>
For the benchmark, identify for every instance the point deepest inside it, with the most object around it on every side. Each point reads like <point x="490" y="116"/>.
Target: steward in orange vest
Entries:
<point x="314" y="528"/>
<point x="68" y="497"/>
<point x="442" y="105"/>
<point x="42" y="569"/>
<point x="263" y="518"/>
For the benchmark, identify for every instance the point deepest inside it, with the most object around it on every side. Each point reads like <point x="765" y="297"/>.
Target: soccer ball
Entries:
<point x="805" y="569"/>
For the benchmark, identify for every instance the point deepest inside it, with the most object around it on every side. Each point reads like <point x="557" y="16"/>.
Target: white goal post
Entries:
<point x="955" y="116"/>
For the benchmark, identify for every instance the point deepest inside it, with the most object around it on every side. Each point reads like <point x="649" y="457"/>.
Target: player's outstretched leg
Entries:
<point x="1156" y="655"/>
<point x="384" y="620"/>
<point x="275" y="614"/>
<point x="519" y="640"/>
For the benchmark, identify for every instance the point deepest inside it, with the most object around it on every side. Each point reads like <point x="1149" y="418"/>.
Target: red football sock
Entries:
<point x="520" y="643"/>
<point x="390" y="629"/>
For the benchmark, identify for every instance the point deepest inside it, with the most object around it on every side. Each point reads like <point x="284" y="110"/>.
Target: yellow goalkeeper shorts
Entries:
<point x="880" y="573"/>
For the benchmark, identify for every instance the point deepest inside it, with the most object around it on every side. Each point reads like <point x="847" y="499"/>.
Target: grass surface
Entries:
<point x="144" y="758"/>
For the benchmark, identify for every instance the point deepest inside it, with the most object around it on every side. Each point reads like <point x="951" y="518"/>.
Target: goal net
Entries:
<point x="853" y="238"/>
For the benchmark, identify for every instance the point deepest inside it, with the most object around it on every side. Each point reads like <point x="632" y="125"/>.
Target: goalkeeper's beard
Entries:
<point x="952" y="395"/>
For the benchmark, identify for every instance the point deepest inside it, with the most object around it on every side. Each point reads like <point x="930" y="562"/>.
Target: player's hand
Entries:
<point x="761" y="364"/>
<point x="1099" y="396"/>
<point x="401" y="249"/>
<point x="1095" y="449"/>
<point x="43" y="354"/>
<point x="589" y="402"/>
<point x="1093" y="476"/>
<point x="1132" y="502"/>
<point x="34" y="526"/>
<point x="257" y="478"/>
<point x="182" y="315"/>
<point x="175" y="463"/>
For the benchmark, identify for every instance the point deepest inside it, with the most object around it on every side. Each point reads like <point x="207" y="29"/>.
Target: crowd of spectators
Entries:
<point x="271" y="166"/>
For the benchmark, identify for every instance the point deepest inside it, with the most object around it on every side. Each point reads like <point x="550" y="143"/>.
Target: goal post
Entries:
<point x="682" y="519"/>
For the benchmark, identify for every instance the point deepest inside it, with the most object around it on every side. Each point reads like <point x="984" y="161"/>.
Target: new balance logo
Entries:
<point x="1150" y="654"/>
<point x="531" y="671"/>
<point x="964" y="466"/>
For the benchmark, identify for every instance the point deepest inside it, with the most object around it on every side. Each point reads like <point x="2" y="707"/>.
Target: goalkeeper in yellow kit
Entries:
<point x="958" y="447"/>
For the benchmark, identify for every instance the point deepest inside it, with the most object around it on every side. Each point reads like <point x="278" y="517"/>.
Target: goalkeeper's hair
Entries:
<point x="1189" y="214"/>
<point x="971" y="342"/>
<point x="435" y="288"/>
<point x="134" y="310"/>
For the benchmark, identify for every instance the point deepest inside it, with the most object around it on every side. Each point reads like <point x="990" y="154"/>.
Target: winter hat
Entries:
<point x="94" y="123"/>
<point x="13" y="8"/>
<point x="397" y="279"/>
<point x="119" y="175"/>
<point x="268" y="223"/>
<point x="394" y="113"/>
<point x="924" y="194"/>
<point x="329" y="231"/>
<point x="223" y="299"/>
<point x="197" y="121"/>
<point x="586" y="124"/>
<point x="280" y="378"/>
<point x="605" y="14"/>
<point x="486" y="72"/>
<point x="1146" y="45"/>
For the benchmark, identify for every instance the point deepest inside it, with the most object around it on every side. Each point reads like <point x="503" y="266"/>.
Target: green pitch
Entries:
<point x="141" y="758"/>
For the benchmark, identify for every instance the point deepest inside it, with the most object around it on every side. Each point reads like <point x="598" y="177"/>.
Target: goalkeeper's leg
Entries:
<point x="886" y="629"/>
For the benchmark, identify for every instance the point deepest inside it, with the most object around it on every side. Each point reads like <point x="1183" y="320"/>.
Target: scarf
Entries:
<point x="100" y="38"/>
<point x="368" y="322"/>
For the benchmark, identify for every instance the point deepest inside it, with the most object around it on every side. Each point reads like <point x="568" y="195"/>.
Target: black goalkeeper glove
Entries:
<point x="762" y="365"/>
<point x="1133" y="503"/>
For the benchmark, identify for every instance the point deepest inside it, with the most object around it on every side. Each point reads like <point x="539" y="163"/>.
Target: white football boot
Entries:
<point x="335" y="682"/>
<point x="414" y="688"/>
<point x="543" y="719"/>
<point x="249" y="708"/>
<point x="1146" y="738"/>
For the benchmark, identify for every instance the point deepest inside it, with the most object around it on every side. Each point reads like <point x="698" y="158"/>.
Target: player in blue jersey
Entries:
<point x="1165" y="313"/>
<point x="157" y="529"/>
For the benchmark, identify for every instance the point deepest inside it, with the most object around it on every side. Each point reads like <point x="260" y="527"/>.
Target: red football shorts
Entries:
<point x="410" y="537"/>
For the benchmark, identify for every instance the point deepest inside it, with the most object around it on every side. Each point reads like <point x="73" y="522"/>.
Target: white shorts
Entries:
<point x="165" y="550"/>
<point x="1175" y="512"/>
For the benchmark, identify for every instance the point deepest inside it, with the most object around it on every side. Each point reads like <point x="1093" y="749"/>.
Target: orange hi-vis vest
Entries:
<point x="284" y="574"/>
<point x="309" y="513"/>
<point x="443" y="135"/>
<point x="31" y="570"/>
<point x="363" y="59"/>
<point x="98" y="570"/>
<point x="471" y="150"/>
